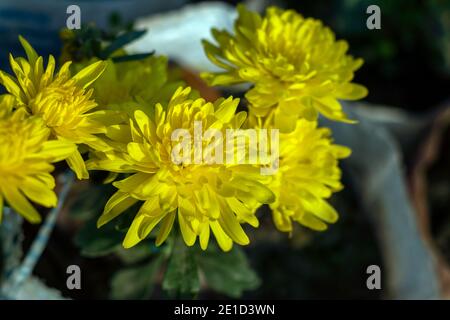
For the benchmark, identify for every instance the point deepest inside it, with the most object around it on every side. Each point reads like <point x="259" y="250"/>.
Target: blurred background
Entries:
<point x="395" y="209"/>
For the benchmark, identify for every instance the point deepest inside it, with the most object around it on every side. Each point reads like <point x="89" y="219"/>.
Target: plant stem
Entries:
<point x="41" y="240"/>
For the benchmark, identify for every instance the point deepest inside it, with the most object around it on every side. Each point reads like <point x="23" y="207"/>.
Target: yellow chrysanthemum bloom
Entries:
<point x="128" y="86"/>
<point x="63" y="101"/>
<point x="25" y="157"/>
<point x="202" y="196"/>
<point x="307" y="177"/>
<point x="297" y="67"/>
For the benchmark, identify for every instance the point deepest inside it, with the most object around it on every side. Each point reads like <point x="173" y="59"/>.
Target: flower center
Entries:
<point x="62" y="105"/>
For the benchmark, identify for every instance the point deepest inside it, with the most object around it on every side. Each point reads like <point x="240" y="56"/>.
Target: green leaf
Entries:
<point x="136" y="282"/>
<point x="132" y="57"/>
<point x="138" y="253"/>
<point x="227" y="272"/>
<point x="120" y="42"/>
<point x="181" y="279"/>
<point x="98" y="242"/>
<point x="90" y="202"/>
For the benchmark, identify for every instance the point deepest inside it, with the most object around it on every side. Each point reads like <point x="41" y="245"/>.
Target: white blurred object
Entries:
<point x="34" y="289"/>
<point x="11" y="238"/>
<point x="178" y="34"/>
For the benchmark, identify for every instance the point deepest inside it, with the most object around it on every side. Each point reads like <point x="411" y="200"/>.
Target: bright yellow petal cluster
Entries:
<point x="63" y="101"/>
<point x="201" y="197"/>
<point x="307" y="177"/>
<point x="295" y="64"/>
<point x="25" y="157"/>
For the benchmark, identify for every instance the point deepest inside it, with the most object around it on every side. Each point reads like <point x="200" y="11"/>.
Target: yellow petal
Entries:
<point x="204" y="237"/>
<point x="19" y="203"/>
<point x="57" y="150"/>
<point x="132" y="237"/>
<point x="341" y="152"/>
<point x="76" y="163"/>
<point x="259" y="191"/>
<point x="115" y="165"/>
<point x="220" y="78"/>
<point x="227" y="109"/>
<point x="89" y="74"/>
<point x="30" y="52"/>
<point x="351" y="91"/>
<point x="188" y="234"/>
<point x="142" y="224"/>
<point x="38" y="192"/>
<point x="312" y="222"/>
<point x="119" y="133"/>
<point x="137" y="152"/>
<point x="148" y="224"/>
<point x="10" y="84"/>
<point x="47" y="76"/>
<point x="242" y="212"/>
<point x="331" y="109"/>
<point x="232" y="227"/>
<point x="224" y="241"/>
<point x="141" y="185"/>
<point x="166" y="227"/>
<point x="118" y="203"/>
<point x="321" y="209"/>
<point x="281" y="221"/>
<point x="46" y="178"/>
<point x="143" y="123"/>
<point x="110" y="178"/>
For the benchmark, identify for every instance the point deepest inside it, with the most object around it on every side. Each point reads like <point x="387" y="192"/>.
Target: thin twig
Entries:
<point x="40" y="242"/>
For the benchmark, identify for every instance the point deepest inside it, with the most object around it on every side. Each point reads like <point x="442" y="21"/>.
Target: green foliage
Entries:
<point x="120" y="42"/>
<point x="88" y="206"/>
<point x="98" y="242"/>
<point x="90" y="42"/>
<point x="142" y="251"/>
<point x="182" y="276"/>
<point x="228" y="272"/>
<point x="90" y="202"/>
<point x="132" y="57"/>
<point x="135" y="282"/>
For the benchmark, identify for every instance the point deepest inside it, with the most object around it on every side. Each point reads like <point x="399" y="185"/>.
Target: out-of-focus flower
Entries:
<point x="202" y="197"/>
<point x="132" y="85"/>
<point x="25" y="157"/>
<point x="307" y="177"/>
<point x="297" y="67"/>
<point x="63" y="101"/>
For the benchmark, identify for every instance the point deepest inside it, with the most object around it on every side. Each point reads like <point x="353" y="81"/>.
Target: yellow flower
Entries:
<point x="297" y="67"/>
<point x="307" y="177"/>
<point x="202" y="197"/>
<point x="25" y="157"/>
<point x="61" y="100"/>
<point x="128" y="86"/>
